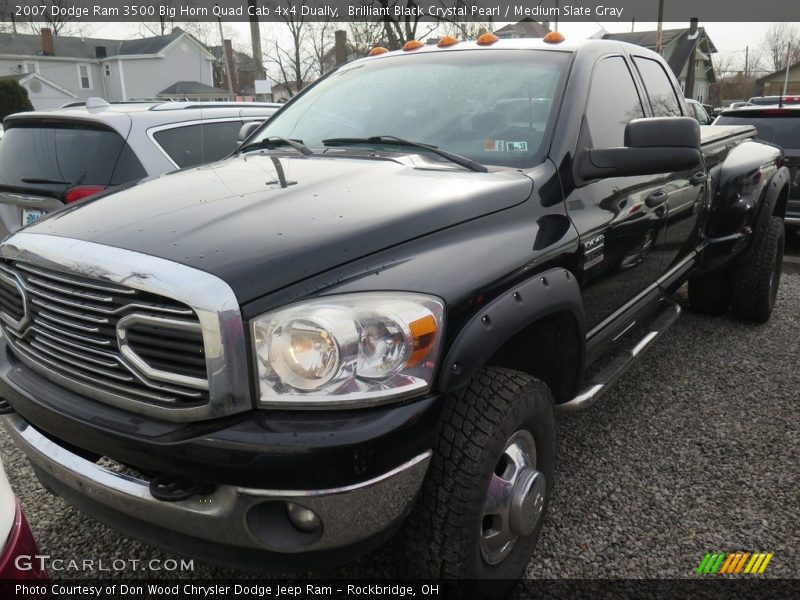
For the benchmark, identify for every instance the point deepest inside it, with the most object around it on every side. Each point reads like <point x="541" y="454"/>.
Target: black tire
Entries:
<point x="442" y="534"/>
<point x="757" y="278"/>
<point x="711" y="293"/>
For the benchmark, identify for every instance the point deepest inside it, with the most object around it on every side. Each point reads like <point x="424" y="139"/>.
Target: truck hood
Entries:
<point x="263" y="222"/>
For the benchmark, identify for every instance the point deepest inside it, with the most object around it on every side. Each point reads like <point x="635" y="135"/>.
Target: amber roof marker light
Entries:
<point x="487" y="39"/>
<point x="446" y="41"/>
<point x="377" y="50"/>
<point x="412" y="45"/>
<point x="554" y="37"/>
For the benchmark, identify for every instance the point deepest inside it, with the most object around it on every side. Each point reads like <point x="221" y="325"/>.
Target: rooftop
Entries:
<point x="18" y="44"/>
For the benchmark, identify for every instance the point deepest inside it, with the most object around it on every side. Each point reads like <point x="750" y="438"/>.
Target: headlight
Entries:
<point x="350" y="350"/>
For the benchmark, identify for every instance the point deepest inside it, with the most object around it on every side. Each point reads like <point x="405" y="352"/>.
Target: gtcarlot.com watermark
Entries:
<point x="45" y="562"/>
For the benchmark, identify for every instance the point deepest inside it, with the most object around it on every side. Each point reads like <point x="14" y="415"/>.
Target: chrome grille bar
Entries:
<point x="75" y="281"/>
<point x="62" y="290"/>
<point x="44" y="334"/>
<point x="69" y="313"/>
<point x="75" y="336"/>
<point x="188" y="334"/>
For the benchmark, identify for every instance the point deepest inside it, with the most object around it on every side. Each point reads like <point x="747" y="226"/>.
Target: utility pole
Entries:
<point x="556" y="21"/>
<point x="659" y="48"/>
<point x="255" y="42"/>
<point x="786" y="78"/>
<point x="227" y="60"/>
<point x="746" y="62"/>
<point x="691" y="67"/>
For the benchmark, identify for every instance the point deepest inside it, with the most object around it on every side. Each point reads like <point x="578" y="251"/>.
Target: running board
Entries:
<point x="621" y="363"/>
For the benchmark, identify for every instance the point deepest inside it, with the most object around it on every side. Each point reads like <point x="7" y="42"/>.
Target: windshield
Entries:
<point x="783" y="130"/>
<point x="492" y="106"/>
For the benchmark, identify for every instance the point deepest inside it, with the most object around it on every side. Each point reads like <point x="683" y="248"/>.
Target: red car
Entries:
<point x="16" y="538"/>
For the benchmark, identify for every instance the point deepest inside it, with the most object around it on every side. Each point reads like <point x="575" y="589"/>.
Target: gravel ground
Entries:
<point x="695" y="450"/>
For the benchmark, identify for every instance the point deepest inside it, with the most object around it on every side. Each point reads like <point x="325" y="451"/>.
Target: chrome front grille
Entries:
<point x="108" y="341"/>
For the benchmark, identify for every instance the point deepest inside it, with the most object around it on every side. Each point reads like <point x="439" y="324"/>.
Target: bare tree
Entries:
<point x="294" y="67"/>
<point x="398" y="30"/>
<point x="321" y="41"/>
<point x="61" y="24"/>
<point x="163" y="26"/>
<point x="365" y="35"/>
<point x="205" y="32"/>
<point x="780" y="40"/>
<point x="6" y="16"/>
<point x="459" y="28"/>
<point x="724" y="65"/>
<point x="736" y="76"/>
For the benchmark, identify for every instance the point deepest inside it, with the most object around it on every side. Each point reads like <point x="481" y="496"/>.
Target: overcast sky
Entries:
<point x="727" y="37"/>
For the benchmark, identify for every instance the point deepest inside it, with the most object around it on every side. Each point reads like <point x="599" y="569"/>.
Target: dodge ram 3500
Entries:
<point x="365" y="320"/>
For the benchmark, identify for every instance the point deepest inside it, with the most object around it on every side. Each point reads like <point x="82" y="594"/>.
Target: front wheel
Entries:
<point x="483" y="502"/>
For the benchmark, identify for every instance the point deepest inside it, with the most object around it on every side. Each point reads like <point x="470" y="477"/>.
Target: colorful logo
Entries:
<point x="734" y="562"/>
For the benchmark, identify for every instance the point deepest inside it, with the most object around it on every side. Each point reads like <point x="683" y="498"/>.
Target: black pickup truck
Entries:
<point x="364" y="321"/>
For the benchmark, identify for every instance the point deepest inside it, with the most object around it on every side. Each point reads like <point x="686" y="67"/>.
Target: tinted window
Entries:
<point x="702" y="115"/>
<point x="128" y="167"/>
<point x="659" y="89"/>
<point x="195" y="144"/>
<point x="491" y="106"/>
<point x="613" y="103"/>
<point x="698" y="112"/>
<point x="783" y="130"/>
<point x="65" y="155"/>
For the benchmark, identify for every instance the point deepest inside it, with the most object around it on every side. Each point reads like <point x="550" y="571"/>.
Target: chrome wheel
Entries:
<point x="515" y="498"/>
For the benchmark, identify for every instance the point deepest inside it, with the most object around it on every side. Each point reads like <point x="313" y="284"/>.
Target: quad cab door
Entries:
<point x="620" y="219"/>
<point x="685" y="191"/>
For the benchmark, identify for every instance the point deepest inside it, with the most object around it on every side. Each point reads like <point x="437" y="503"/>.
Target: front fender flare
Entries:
<point x="550" y="292"/>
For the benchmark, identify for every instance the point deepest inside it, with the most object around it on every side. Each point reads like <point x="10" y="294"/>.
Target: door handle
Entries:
<point x="698" y="178"/>
<point x="656" y="199"/>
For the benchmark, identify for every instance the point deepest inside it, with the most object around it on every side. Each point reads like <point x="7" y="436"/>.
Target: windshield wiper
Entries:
<point x="43" y="180"/>
<point x="274" y="141"/>
<point x="463" y="161"/>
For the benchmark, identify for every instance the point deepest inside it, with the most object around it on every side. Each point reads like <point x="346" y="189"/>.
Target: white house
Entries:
<point x="56" y="69"/>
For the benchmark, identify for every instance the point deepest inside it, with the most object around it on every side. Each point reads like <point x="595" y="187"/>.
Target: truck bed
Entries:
<point x="714" y="134"/>
<point x="717" y="140"/>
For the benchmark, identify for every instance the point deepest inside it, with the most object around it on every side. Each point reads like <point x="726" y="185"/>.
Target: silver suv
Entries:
<point x="55" y="157"/>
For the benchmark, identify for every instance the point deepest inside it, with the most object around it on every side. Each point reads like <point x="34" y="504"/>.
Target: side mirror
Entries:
<point x="655" y="145"/>
<point x="246" y="130"/>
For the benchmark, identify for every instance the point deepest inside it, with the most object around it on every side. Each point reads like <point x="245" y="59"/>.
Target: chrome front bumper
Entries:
<point x="230" y="515"/>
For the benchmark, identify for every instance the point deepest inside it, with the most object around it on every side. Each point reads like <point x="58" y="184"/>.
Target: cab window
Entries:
<point x="662" y="96"/>
<point x="613" y="103"/>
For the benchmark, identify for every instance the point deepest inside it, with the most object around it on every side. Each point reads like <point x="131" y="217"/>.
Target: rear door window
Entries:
<point x="191" y="145"/>
<point x="662" y="96"/>
<point x="55" y="156"/>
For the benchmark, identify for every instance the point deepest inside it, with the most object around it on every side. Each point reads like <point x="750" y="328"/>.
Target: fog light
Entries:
<point x="304" y="519"/>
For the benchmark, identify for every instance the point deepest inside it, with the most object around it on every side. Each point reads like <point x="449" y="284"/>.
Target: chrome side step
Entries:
<point x="622" y="362"/>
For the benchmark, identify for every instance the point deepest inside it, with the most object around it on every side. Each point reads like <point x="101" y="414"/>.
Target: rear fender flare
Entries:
<point x="780" y="181"/>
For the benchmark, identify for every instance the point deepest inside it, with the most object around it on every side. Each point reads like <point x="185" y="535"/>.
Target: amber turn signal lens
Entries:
<point x="554" y="37"/>
<point x="487" y="39"/>
<point x="446" y="41"/>
<point x="377" y="50"/>
<point x="412" y="45"/>
<point x="424" y="333"/>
